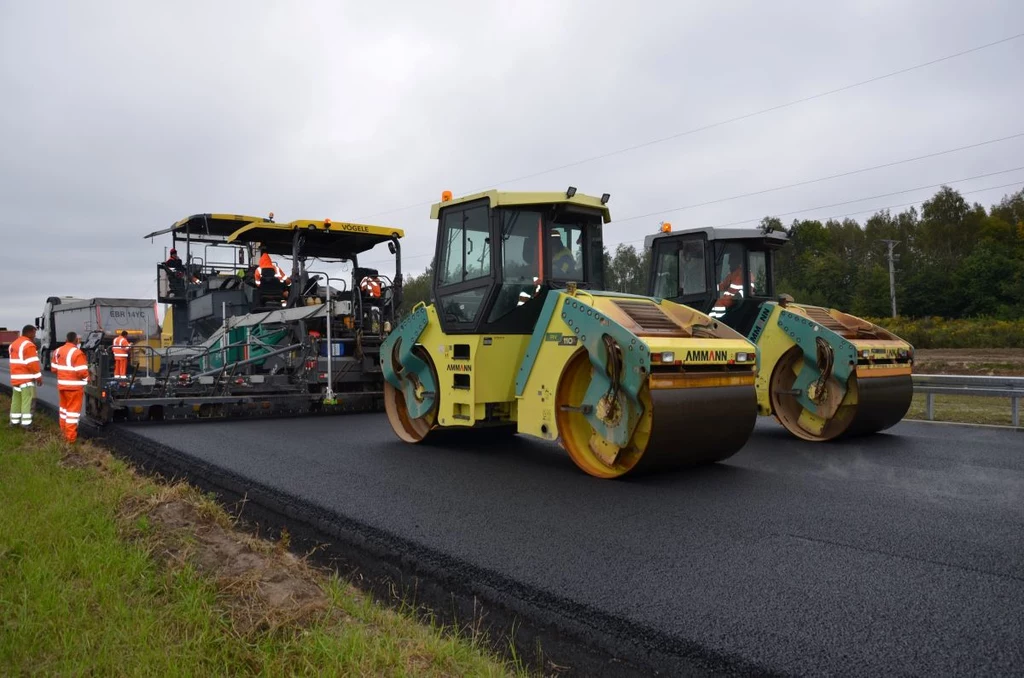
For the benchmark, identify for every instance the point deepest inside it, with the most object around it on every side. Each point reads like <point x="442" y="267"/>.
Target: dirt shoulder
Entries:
<point x="1006" y="362"/>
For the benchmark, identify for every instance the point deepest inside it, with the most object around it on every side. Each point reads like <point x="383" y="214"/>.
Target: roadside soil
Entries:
<point x="1003" y="362"/>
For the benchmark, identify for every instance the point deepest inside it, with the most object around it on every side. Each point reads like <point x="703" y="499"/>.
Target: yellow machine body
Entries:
<point x="624" y="383"/>
<point x="822" y="373"/>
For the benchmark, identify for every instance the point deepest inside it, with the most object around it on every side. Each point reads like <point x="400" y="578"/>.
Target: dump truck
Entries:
<point x="238" y="343"/>
<point x="822" y="373"/>
<point x="104" y="318"/>
<point x="523" y="339"/>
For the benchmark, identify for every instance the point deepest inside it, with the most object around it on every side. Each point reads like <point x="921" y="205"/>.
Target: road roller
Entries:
<point x="520" y="338"/>
<point x="822" y="373"/>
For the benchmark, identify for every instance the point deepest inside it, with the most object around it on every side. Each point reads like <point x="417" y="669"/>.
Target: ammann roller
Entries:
<point x="522" y="339"/>
<point x="822" y="373"/>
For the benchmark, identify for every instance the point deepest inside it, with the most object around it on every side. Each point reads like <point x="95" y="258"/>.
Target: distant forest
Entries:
<point x="954" y="260"/>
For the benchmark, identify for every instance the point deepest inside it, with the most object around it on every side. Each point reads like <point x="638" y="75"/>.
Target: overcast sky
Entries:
<point x="119" y="118"/>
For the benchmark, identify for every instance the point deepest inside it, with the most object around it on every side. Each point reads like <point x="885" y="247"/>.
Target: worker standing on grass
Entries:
<point x="72" y="377"/>
<point x="122" y="348"/>
<point x="25" y="374"/>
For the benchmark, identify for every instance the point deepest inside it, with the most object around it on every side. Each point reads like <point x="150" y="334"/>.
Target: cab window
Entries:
<point x="729" y="269"/>
<point x="565" y="251"/>
<point x="465" y="246"/>
<point x="691" y="263"/>
<point x="759" y="274"/>
<point x="520" y="260"/>
<point x="666" y="277"/>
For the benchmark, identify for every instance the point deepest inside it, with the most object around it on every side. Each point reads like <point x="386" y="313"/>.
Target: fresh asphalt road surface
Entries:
<point x="902" y="553"/>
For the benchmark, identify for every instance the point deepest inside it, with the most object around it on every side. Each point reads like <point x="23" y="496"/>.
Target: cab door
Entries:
<point x="681" y="271"/>
<point x="464" y="275"/>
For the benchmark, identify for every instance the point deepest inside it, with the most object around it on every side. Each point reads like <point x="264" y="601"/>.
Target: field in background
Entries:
<point x="1003" y="362"/>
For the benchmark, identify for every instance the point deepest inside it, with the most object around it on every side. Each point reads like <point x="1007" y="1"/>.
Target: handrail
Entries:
<point x="968" y="385"/>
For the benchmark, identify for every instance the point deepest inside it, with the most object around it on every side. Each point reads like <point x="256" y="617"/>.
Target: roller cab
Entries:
<point x="822" y="373"/>
<point x="522" y="339"/>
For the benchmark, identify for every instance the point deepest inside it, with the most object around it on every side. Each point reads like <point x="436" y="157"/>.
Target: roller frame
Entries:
<point x="404" y="338"/>
<point x="590" y="327"/>
<point x="803" y="331"/>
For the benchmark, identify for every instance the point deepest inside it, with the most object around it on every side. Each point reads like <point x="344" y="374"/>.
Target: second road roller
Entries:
<point x="822" y="373"/>
<point x="521" y="338"/>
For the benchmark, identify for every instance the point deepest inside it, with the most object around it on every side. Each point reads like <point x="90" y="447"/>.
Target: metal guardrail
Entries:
<point x="953" y="384"/>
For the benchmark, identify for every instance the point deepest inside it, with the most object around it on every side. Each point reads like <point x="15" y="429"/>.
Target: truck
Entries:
<point x="96" y="316"/>
<point x="6" y="338"/>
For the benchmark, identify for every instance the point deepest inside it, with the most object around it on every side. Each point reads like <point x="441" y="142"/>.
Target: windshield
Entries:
<point x="575" y="250"/>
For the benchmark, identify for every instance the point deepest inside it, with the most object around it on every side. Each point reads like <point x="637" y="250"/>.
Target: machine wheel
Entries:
<point x="585" y="446"/>
<point x="869" y="406"/>
<point x="788" y="410"/>
<point x="408" y="429"/>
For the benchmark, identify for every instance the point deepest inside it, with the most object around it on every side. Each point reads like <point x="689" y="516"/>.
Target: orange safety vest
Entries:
<point x="121" y="347"/>
<point x="24" y="362"/>
<point x="371" y="286"/>
<point x="267" y="262"/>
<point x="71" y="367"/>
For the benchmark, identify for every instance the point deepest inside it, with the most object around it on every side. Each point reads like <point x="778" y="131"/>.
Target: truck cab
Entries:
<point x="726" y="273"/>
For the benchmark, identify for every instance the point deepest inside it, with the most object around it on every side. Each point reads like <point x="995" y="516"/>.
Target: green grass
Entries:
<point x="964" y="409"/>
<point x="85" y="590"/>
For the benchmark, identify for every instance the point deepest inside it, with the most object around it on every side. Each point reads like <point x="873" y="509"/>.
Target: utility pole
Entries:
<point x="892" y="275"/>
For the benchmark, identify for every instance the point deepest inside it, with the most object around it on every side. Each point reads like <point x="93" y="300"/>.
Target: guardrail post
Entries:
<point x="929" y="400"/>
<point x="1015" y="410"/>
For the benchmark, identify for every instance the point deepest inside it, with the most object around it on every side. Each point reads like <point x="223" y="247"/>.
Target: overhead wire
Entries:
<point x="791" y="185"/>
<point x="721" y="123"/>
<point x="873" y="197"/>
<point x="820" y="179"/>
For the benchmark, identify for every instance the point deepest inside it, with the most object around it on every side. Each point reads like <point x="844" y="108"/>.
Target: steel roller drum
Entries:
<point x="697" y="426"/>
<point x="882" y="402"/>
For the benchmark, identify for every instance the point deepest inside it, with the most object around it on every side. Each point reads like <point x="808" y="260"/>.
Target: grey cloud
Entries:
<point x="120" y="118"/>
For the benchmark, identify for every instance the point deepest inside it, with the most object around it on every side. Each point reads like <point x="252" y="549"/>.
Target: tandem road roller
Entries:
<point x="521" y="339"/>
<point x="822" y="373"/>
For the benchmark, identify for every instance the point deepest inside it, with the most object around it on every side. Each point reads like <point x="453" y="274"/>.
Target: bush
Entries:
<point x="961" y="333"/>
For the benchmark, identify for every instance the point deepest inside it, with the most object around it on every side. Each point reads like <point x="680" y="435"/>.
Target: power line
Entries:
<point x="873" y="197"/>
<point x="909" y="204"/>
<point x="720" y="123"/>
<point x="820" y="179"/>
<point x="860" y="200"/>
<point x="800" y="211"/>
<point x="874" y="209"/>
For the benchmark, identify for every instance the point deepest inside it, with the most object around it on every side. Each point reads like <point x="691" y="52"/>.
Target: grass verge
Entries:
<point x="106" y="572"/>
<point x="964" y="409"/>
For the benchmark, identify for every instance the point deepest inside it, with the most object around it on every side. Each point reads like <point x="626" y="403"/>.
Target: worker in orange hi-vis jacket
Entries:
<point x="371" y="285"/>
<point x="121" y="350"/>
<point x="267" y="262"/>
<point x="72" y="370"/>
<point x="25" y="374"/>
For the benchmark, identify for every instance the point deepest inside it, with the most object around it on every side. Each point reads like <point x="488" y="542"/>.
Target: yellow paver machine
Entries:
<point x="521" y="338"/>
<point x="822" y="373"/>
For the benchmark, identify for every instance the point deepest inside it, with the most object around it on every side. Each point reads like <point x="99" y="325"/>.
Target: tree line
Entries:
<point x="953" y="260"/>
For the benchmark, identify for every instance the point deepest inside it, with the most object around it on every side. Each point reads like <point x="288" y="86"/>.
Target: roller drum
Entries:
<point x="882" y="402"/>
<point x="693" y="426"/>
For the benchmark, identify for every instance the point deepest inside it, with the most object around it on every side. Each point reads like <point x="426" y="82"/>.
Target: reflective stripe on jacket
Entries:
<point x="121" y="347"/>
<point x="370" y="286"/>
<point x="71" y="367"/>
<point x="25" y="366"/>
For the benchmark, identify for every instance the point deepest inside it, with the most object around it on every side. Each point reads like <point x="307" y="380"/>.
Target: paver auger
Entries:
<point x="521" y="339"/>
<point x="822" y="373"/>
